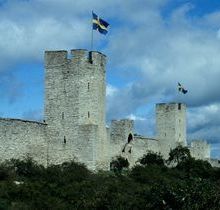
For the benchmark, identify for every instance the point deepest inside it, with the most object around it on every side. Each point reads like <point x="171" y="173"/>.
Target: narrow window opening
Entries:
<point x="90" y="57"/>
<point x="88" y="114"/>
<point x="62" y="115"/>
<point x="88" y="86"/>
<point x="64" y="140"/>
<point x="179" y="106"/>
<point x="165" y="134"/>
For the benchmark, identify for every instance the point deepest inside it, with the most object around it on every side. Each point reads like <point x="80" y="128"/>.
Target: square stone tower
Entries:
<point x="75" y="107"/>
<point x="170" y="126"/>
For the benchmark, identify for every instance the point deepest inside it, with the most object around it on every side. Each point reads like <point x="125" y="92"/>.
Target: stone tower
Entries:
<point x="75" y="106"/>
<point x="170" y="126"/>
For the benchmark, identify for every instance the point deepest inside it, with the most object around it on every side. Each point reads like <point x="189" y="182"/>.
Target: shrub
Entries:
<point x="118" y="163"/>
<point x="151" y="158"/>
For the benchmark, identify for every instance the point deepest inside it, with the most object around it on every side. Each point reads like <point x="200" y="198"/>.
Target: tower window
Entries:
<point x="179" y="106"/>
<point x="88" y="86"/>
<point x="64" y="140"/>
<point x="62" y="115"/>
<point x="88" y="114"/>
<point x="165" y="134"/>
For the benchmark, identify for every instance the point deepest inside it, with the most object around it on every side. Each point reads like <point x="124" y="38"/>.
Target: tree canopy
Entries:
<point x="190" y="184"/>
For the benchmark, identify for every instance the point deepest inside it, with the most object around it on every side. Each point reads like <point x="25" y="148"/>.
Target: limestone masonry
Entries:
<point x="74" y="125"/>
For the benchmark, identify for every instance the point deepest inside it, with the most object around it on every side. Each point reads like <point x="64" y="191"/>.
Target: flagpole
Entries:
<point x="92" y="34"/>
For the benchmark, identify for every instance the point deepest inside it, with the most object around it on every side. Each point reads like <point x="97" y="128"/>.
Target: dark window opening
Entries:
<point x="129" y="150"/>
<point x="88" y="86"/>
<point x="165" y="134"/>
<point x="90" y="57"/>
<point x="130" y="138"/>
<point x="179" y="106"/>
<point x="62" y="115"/>
<point x="64" y="140"/>
<point x="88" y="114"/>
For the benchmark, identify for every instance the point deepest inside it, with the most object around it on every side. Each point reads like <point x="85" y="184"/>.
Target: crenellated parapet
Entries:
<point x="54" y="58"/>
<point x="60" y="57"/>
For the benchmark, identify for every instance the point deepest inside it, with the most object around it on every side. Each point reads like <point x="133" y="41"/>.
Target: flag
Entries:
<point x="182" y="89"/>
<point x="99" y="24"/>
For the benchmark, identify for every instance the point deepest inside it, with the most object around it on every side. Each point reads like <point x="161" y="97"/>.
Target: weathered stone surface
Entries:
<point x="170" y="126"/>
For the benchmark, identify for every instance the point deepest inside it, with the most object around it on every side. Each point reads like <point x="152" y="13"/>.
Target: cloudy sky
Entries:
<point x="151" y="45"/>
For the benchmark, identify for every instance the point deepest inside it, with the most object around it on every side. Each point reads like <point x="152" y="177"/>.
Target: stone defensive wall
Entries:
<point x="22" y="138"/>
<point x="214" y="162"/>
<point x="142" y="145"/>
<point x="200" y="149"/>
<point x="121" y="137"/>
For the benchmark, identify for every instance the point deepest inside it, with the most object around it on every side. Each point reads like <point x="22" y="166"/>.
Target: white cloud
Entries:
<point x="135" y="117"/>
<point x="110" y="90"/>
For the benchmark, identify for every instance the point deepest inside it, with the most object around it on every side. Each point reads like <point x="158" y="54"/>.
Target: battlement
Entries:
<point x="166" y="107"/>
<point x="55" y="57"/>
<point x="60" y="57"/>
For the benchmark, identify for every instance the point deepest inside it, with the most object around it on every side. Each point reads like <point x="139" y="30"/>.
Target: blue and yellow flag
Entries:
<point x="99" y="24"/>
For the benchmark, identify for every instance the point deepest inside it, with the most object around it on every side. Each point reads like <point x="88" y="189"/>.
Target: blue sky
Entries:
<point x="151" y="45"/>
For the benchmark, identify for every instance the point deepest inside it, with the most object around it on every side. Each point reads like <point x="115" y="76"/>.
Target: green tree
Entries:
<point x="178" y="154"/>
<point x="151" y="158"/>
<point x="196" y="168"/>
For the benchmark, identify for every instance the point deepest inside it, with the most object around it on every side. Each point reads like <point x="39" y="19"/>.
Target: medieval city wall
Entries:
<point x="21" y="138"/>
<point x="74" y="120"/>
<point x="121" y="137"/>
<point x="141" y="146"/>
<point x="200" y="149"/>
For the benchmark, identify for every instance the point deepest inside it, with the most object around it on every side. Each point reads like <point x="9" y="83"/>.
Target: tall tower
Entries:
<point x="170" y="126"/>
<point x="75" y="106"/>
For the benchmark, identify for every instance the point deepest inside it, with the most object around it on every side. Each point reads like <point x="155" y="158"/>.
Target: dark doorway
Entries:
<point x="130" y="138"/>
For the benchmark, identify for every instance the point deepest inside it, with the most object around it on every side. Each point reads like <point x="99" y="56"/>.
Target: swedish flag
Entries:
<point x="182" y="89"/>
<point x="99" y="24"/>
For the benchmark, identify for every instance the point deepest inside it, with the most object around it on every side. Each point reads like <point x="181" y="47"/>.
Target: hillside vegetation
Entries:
<point x="189" y="184"/>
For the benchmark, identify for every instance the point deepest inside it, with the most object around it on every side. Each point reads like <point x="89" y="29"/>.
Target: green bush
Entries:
<point x="192" y="184"/>
<point x="151" y="158"/>
<point x="118" y="164"/>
